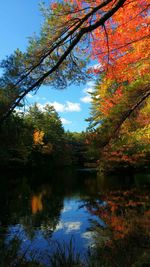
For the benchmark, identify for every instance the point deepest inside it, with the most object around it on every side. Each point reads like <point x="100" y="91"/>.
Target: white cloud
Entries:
<point x="68" y="226"/>
<point x="65" y="121"/>
<point x="29" y="95"/>
<point x="58" y="106"/>
<point x="86" y="91"/>
<point x="67" y="107"/>
<point x="70" y="106"/>
<point x="40" y="106"/>
<point x="86" y="99"/>
<point x="72" y="226"/>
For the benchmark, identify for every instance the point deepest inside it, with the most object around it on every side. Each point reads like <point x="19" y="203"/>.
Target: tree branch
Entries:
<point x="127" y="114"/>
<point x="79" y="35"/>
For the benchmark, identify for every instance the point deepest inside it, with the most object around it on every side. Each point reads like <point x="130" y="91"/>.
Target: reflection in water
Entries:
<point x="36" y="203"/>
<point x="110" y="216"/>
<point x="126" y="239"/>
<point x="68" y="226"/>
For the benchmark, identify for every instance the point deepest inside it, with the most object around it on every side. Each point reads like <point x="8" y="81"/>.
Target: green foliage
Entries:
<point x="36" y="138"/>
<point x="16" y="141"/>
<point x="47" y="121"/>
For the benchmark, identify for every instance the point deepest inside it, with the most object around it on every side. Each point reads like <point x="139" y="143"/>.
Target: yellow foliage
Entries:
<point x="103" y="88"/>
<point x="143" y="134"/>
<point x="38" y="137"/>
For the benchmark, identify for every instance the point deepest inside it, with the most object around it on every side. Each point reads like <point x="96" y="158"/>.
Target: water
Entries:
<point x="38" y="211"/>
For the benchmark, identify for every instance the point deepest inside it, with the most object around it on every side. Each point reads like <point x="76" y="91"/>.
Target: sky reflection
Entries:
<point x="74" y="222"/>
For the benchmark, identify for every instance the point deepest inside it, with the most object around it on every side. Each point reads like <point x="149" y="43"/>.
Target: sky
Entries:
<point x="20" y="19"/>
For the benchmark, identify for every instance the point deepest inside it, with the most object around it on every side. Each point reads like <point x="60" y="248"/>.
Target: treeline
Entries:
<point x="37" y="138"/>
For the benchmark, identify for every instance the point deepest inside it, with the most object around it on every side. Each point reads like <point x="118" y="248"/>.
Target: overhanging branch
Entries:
<point x="81" y="31"/>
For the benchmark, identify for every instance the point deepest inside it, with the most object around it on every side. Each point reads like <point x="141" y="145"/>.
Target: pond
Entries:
<point x="101" y="219"/>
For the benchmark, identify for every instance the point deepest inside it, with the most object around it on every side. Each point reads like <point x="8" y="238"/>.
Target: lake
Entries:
<point x="103" y="219"/>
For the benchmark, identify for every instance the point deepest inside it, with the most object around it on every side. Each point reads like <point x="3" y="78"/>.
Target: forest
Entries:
<point x="62" y="54"/>
<point x="106" y="42"/>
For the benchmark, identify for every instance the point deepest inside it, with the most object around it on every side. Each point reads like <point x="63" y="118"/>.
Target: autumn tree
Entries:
<point x="120" y="122"/>
<point x="69" y="37"/>
<point x="34" y="135"/>
<point x="124" y="85"/>
<point x="46" y="124"/>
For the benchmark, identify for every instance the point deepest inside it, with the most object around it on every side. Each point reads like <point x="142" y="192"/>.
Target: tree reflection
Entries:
<point x="31" y="207"/>
<point x="36" y="203"/>
<point x="125" y="241"/>
<point x="27" y="209"/>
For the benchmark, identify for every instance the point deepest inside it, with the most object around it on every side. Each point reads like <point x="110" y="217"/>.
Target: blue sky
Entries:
<point x="19" y="19"/>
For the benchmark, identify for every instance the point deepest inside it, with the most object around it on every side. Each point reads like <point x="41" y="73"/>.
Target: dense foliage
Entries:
<point x="120" y="125"/>
<point x="115" y="34"/>
<point x="84" y="29"/>
<point x="37" y="139"/>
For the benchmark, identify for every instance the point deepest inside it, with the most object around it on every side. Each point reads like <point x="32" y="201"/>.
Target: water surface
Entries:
<point x="40" y="210"/>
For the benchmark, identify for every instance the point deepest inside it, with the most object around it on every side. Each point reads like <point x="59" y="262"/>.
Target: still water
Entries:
<point x="108" y="216"/>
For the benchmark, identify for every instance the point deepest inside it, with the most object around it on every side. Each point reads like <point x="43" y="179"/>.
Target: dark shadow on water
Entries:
<point x="75" y="213"/>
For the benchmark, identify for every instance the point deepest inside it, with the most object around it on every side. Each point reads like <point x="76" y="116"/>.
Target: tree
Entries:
<point x="46" y="124"/>
<point x="54" y="57"/>
<point x="121" y="122"/>
<point x="13" y="67"/>
<point x="36" y="134"/>
<point x="46" y="121"/>
<point x="16" y="141"/>
<point x="49" y="146"/>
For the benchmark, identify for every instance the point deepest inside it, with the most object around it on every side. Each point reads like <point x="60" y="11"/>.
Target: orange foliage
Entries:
<point x="121" y="214"/>
<point x="121" y="44"/>
<point x="128" y="37"/>
<point x="38" y="137"/>
<point x="36" y="202"/>
<point x="124" y="39"/>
